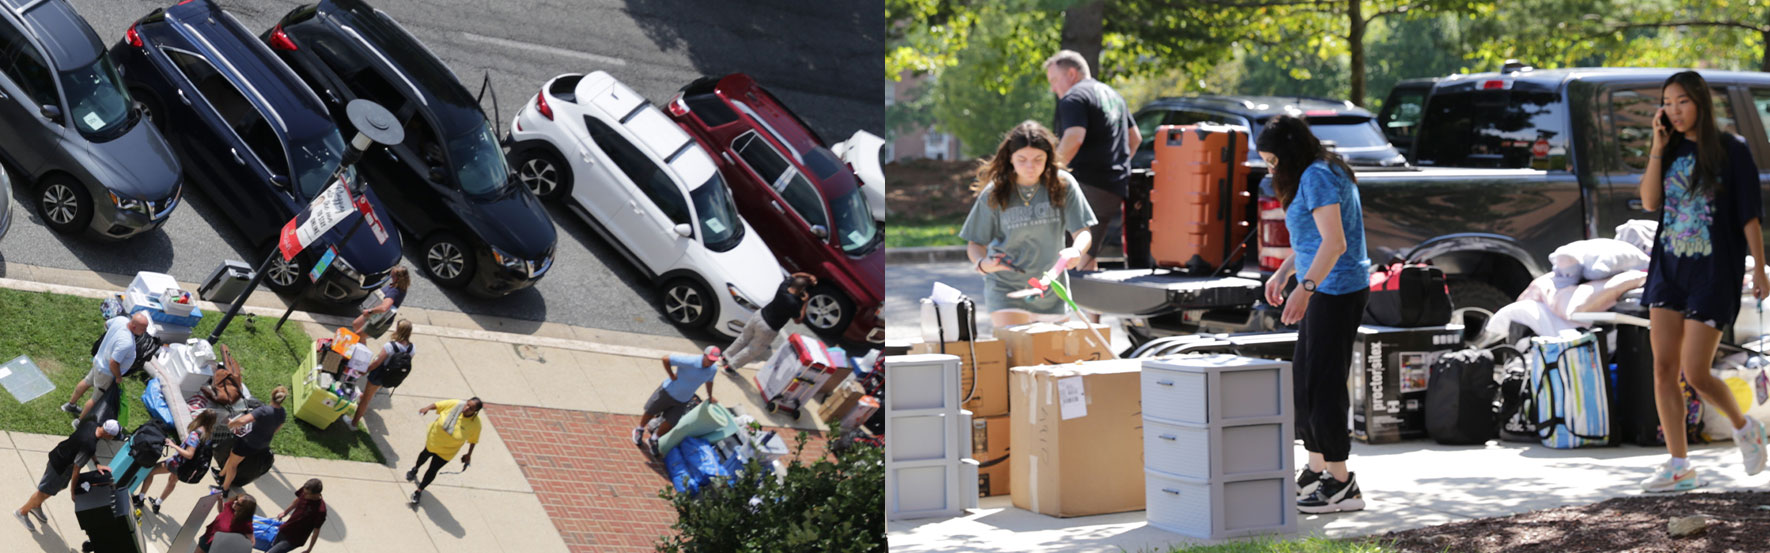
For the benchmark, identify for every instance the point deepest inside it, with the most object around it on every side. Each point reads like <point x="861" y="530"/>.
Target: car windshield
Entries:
<point x="314" y="160"/>
<point x="855" y="228"/>
<point x="822" y="162"/>
<point x="100" y="105"/>
<point x="721" y="229"/>
<point x="479" y="162"/>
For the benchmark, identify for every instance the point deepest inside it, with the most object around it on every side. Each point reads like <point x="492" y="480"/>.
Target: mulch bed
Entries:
<point x="929" y="190"/>
<point x="1621" y="524"/>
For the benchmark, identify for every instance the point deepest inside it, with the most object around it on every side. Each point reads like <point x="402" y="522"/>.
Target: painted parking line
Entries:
<point x="507" y="43"/>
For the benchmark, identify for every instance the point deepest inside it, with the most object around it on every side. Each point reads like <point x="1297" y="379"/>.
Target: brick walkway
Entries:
<point x="599" y="489"/>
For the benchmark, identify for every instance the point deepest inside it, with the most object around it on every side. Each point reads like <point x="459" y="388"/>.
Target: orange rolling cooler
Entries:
<point x="1200" y="200"/>
<point x="794" y="374"/>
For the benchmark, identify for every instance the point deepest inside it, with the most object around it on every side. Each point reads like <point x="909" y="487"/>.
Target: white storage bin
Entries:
<point x="921" y="438"/>
<point x="929" y="381"/>
<point x="149" y="286"/>
<point x="968" y="483"/>
<point x="1216" y="451"/>
<point x="1245" y="506"/>
<point x="920" y="491"/>
<point x="1211" y="389"/>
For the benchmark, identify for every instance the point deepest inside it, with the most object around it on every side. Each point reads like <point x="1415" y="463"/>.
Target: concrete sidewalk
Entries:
<point x="1406" y="485"/>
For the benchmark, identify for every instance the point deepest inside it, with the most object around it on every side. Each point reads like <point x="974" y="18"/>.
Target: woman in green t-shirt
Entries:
<point x="1025" y="207"/>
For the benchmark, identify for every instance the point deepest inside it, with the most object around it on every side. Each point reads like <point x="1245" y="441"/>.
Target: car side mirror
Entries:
<point x="820" y="231"/>
<point x="684" y="230"/>
<point x="280" y="181"/>
<point x="436" y="175"/>
<point x="52" y="113"/>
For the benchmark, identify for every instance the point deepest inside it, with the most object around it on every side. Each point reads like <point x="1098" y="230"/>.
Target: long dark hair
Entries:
<point x="1289" y="138"/>
<point x="1705" y="178"/>
<point x="998" y="170"/>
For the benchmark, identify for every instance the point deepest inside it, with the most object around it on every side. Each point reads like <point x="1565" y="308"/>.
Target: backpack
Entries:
<point x="191" y="471"/>
<point x="1408" y="295"/>
<point x="397" y="366"/>
<point x="1571" y="388"/>
<point x="1460" y="394"/>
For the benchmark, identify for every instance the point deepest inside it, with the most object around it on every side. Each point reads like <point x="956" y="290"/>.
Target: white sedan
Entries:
<point x="648" y="189"/>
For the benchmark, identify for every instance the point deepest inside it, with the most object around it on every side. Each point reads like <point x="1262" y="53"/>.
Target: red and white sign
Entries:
<point x="327" y="210"/>
<point x="1540" y="148"/>
<point x="369" y="218"/>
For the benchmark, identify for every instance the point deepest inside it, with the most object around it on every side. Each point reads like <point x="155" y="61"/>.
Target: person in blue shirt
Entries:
<point x="1705" y="186"/>
<point x="670" y="401"/>
<point x="115" y="356"/>
<point x="1326" y="222"/>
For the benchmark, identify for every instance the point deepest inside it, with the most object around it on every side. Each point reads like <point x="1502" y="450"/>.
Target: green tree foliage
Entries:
<point x="835" y="506"/>
<point x="1726" y="34"/>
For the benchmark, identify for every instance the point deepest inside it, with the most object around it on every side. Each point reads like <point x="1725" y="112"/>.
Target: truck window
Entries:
<point x="1631" y="113"/>
<point x="1401" y="114"/>
<point x="1493" y="129"/>
<point x="1761" y="105"/>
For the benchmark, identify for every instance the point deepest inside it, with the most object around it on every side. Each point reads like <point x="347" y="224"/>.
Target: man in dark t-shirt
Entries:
<point x="757" y="339"/>
<point x="64" y="465"/>
<point x="1097" y="139"/>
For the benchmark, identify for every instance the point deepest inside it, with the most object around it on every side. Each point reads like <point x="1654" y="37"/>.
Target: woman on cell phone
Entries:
<point x="1323" y="214"/>
<point x="1707" y="185"/>
<point x="1025" y="207"/>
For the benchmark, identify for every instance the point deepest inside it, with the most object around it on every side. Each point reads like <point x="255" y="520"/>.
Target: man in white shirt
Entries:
<point x="116" y="354"/>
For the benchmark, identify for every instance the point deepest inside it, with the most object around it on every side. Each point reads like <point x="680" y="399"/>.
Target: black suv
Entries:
<point x="69" y="126"/>
<point x="258" y="142"/>
<point x="1401" y="113"/>
<point x="1351" y="129"/>
<point x="448" y="184"/>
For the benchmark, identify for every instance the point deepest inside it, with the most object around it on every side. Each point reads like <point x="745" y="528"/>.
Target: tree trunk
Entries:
<point x="1355" y="45"/>
<point x="1084" y="29"/>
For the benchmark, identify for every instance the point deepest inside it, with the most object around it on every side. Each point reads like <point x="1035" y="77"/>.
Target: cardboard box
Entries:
<point x="1040" y="344"/>
<point x="862" y="411"/>
<point x="1387" y="379"/>
<point x="989" y="446"/>
<point x="1076" y="437"/>
<point x="846" y="396"/>
<point x="991" y="370"/>
<point x="332" y="361"/>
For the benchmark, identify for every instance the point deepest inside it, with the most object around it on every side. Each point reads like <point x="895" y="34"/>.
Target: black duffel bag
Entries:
<point x="1408" y="295"/>
<point x="1461" y="393"/>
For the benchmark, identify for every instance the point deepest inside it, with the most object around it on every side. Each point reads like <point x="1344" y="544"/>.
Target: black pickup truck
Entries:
<point x="1507" y="167"/>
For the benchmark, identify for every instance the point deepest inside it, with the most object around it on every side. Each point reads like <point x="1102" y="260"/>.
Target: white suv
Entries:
<point x="648" y="189"/>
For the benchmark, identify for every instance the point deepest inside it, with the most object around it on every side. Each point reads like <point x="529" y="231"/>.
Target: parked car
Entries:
<point x="448" y="185"/>
<point x="861" y="152"/>
<point x="72" y="131"/>
<point x="5" y="201"/>
<point x="1512" y="165"/>
<point x="1400" y="116"/>
<point x="613" y="158"/>
<point x="259" y="144"/>
<point x="1349" y="129"/>
<point x="805" y="201"/>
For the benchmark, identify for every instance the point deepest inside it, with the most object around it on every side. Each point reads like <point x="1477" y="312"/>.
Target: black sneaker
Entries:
<point x="416" y="495"/>
<point x="1333" y="496"/>
<point x="412" y="475"/>
<point x="1307" y="481"/>
<point x="652" y="446"/>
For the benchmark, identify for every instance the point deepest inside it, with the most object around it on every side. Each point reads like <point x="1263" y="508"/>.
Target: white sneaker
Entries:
<point x="1664" y="479"/>
<point x="638" y="436"/>
<point x="1751" y="446"/>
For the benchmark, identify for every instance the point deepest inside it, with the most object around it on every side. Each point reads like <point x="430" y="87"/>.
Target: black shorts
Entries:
<point x="54" y="481"/>
<point x="662" y="404"/>
<point x="375" y="376"/>
<point x="1716" y="308"/>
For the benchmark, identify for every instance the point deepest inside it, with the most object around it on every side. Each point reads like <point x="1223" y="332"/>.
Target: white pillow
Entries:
<point x="1596" y="259"/>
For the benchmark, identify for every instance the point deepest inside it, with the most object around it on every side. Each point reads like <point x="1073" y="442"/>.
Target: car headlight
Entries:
<point x="345" y="269"/>
<point x="508" y="261"/>
<point x="130" y="204"/>
<point x="525" y="267"/>
<point x="742" y="301"/>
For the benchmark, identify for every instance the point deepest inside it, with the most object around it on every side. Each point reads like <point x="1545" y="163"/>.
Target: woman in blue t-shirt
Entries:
<point x="1708" y="186"/>
<point x="1326" y="222"/>
<point x="393" y="295"/>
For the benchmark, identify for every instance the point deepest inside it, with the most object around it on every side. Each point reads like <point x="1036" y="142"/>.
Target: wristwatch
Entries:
<point x="1308" y="285"/>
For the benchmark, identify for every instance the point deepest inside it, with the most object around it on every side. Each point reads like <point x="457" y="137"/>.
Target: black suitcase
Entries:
<point x="1636" y="417"/>
<point x="106" y="515"/>
<point x="1460" y="395"/>
<point x="226" y="282"/>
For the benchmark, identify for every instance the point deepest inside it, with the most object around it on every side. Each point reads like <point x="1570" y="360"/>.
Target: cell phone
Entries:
<point x="1665" y="121"/>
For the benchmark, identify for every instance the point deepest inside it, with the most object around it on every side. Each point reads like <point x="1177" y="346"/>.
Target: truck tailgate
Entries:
<point x="1145" y="293"/>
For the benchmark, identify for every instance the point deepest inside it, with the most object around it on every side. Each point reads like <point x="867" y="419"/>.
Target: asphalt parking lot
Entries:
<point x="817" y="57"/>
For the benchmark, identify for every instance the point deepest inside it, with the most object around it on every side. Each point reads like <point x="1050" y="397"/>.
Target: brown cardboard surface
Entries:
<point x="1085" y="465"/>
<point x="1387" y="380"/>
<point x="1053" y="344"/>
<point x="846" y="396"/>
<point x="989" y="446"/>
<point x="991" y="397"/>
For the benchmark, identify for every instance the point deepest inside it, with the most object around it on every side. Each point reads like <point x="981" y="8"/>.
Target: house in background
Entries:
<point x="924" y="143"/>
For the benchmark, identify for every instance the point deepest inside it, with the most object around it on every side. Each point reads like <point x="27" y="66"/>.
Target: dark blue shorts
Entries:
<point x="1714" y="307"/>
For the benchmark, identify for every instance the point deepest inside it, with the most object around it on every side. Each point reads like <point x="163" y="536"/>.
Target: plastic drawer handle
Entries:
<point x="1165" y="382"/>
<point x="1171" y="490"/>
<point x="1169" y="437"/>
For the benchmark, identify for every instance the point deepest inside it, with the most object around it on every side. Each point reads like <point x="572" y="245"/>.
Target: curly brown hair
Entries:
<point x="998" y="170"/>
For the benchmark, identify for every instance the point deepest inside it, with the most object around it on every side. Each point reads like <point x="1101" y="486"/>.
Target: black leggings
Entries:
<point x="1319" y="368"/>
<point x="436" y="462"/>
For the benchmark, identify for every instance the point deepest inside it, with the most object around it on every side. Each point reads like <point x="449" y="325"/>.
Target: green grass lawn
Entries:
<point x="57" y="332"/>
<point x="1268" y="545"/>
<point x="914" y="233"/>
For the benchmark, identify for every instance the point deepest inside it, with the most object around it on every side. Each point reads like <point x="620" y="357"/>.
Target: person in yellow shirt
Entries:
<point x="457" y="423"/>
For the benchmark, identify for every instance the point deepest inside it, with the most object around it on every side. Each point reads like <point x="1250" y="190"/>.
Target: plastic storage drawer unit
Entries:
<point x="1213" y="452"/>
<point x="1213" y="389"/>
<point x="1245" y="506"/>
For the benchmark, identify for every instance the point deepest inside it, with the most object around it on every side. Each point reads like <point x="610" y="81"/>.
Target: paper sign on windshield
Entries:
<point x="326" y="211"/>
<point x="94" y="121"/>
<point x="715" y="226"/>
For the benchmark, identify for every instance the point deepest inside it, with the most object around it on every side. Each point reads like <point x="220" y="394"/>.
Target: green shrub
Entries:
<point x="829" y="505"/>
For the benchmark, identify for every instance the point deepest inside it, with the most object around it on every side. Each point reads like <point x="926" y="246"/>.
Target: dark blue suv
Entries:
<point x="69" y="126"/>
<point x="257" y="141"/>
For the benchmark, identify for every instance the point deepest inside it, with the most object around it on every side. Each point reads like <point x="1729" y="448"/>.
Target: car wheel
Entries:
<point x="285" y="277"/>
<point x="543" y="173"/>
<point x="688" y="304"/>
<point x="1472" y="304"/>
<point x="448" y="260"/>
<point x="64" y="205"/>
<point x="828" y="311"/>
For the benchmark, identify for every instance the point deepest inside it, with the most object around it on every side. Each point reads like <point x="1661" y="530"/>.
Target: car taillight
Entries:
<point x="133" y="37"/>
<point x="677" y="108"/>
<point x="1275" y="240"/>
<point x="1493" y="85"/>
<point x="541" y="105"/>
<point x="280" y="40"/>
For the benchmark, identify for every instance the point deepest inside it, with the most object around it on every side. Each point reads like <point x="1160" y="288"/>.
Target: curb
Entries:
<point x="926" y="254"/>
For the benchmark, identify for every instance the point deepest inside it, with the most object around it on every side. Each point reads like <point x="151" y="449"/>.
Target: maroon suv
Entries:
<point x="804" y="201"/>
